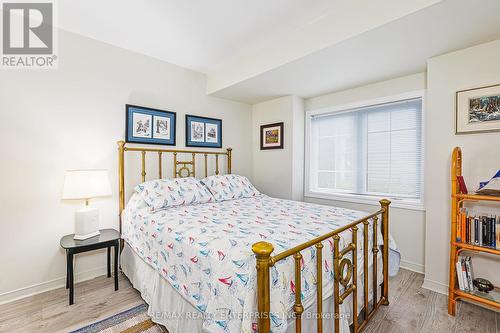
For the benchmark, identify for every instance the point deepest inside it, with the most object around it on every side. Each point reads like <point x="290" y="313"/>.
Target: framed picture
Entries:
<point x="203" y="132"/>
<point x="478" y="110"/>
<point x="271" y="136"/>
<point x="147" y="125"/>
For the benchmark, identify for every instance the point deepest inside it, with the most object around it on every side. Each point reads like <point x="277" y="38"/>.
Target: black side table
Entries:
<point x="107" y="239"/>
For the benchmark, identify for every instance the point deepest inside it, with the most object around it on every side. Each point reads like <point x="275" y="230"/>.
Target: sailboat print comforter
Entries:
<point x="204" y="251"/>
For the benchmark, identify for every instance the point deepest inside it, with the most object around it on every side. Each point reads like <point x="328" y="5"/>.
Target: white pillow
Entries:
<point x="229" y="187"/>
<point x="165" y="193"/>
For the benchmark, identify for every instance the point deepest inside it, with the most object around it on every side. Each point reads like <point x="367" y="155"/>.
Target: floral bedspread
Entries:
<point x="204" y="251"/>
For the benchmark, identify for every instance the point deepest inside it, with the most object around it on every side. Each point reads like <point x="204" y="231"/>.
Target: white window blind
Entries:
<point x="374" y="150"/>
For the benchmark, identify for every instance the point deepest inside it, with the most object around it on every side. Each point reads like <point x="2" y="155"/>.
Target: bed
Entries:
<point x="252" y="263"/>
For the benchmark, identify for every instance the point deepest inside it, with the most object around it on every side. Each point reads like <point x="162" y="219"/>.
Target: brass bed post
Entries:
<point x="319" y="286"/>
<point x="159" y="165"/>
<point x="375" y="271"/>
<point x="366" y="225"/>
<point x="263" y="252"/>
<point x="229" y="157"/>
<point x="143" y="162"/>
<point x="193" y="161"/>
<point x="384" y="203"/>
<point x="298" y="308"/>
<point x="175" y="165"/>
<point x="355" y="278"/>
<point x="121" y="185"/>
<point x="206" y="165"/>
<point x="336" y="287"/>
<point x="216" y="164"/>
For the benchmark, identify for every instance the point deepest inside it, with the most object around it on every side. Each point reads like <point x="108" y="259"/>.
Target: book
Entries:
<point x="484" y="222"/>
<point x="476" y="231"/>
<point x="461" y="185"/>
<point x="481" y="230"/>
<point x="464" y="274"/>
<point x="459" y="275"/>
<point x="472" y="230"/>
<point x="470" y="276"/>
<point x="466" y="237"/>
<point x="491" y="187"/>
<point x="497" y="232"/>
<point x="463" y="220"/>
<point x="459" y="227"/>
<point x="493" y="232"/>
<point x="491" y="238"/>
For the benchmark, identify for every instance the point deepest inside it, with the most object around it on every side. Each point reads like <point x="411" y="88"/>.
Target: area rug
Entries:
<point x="135" y="320"/>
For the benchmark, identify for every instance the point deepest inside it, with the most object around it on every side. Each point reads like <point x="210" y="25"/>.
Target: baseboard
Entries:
<point x="411" y="266"/>
<point x="435" y="286"/>
<point x="38" y="288"/>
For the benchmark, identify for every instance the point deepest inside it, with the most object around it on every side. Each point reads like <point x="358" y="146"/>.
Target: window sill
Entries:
<point x="368" y="200"/>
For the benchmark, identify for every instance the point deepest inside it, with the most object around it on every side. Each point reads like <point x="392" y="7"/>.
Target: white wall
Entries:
<point x="407" y="226"/>
<point x="279" y="172"/>
<point x="72" y="117"/>
<point x="468" y="68"/>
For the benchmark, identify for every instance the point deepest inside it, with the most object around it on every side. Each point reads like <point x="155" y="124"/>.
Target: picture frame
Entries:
<point x="203" y="132"/>
<point x="150" y="126"/>
<point x="272" y="136"/>
<point x="478" y="110"/>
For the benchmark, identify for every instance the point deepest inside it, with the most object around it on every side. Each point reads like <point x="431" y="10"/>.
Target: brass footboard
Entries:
<point x="341" y="264"/>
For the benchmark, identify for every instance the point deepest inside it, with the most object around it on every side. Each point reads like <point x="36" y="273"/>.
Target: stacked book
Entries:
<point x="465" y="275"/>
<point x="491" y="187"/>
<point x="478" y="230"/>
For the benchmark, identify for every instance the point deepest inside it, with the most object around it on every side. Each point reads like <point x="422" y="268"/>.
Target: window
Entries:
<point x="367" y="152"/>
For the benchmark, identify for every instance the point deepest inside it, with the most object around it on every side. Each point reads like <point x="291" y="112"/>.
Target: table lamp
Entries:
<point x="85" y="185"/>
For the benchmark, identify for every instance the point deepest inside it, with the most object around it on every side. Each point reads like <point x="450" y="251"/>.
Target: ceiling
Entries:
<point x="256" y="50"/>
<point x="196" y="34"/>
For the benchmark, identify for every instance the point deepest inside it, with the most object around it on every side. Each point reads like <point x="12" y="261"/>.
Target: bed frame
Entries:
<point x="345" y="269"/>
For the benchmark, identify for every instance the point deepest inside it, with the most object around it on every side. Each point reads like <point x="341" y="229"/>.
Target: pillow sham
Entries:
<point x="229" y="187"/>
<point x="164" y="193"/>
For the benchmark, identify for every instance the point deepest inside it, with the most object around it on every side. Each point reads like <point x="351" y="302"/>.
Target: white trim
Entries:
<point x="435" y="286"/>
<point x="368" y="200"/>
<point x="397" y="203"/>
<point x="39" y="288"/>
<point x="412" y="266"/>
<point x="366" y="103"/>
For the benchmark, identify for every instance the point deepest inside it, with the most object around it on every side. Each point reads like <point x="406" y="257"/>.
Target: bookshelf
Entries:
<point x="491" y="299"/>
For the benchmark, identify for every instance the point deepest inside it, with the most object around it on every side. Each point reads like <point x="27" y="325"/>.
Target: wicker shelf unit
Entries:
<point x="491" y="299"/>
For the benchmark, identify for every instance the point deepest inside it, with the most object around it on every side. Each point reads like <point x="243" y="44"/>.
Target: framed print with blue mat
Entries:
<point x="147" y="125"/>
<point x="203" y="132"/>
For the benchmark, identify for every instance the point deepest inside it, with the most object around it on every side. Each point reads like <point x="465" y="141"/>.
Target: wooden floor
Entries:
<point x="412" y="309"/>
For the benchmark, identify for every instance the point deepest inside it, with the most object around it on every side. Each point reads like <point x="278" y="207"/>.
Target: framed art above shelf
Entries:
<point x="478" y="110"/>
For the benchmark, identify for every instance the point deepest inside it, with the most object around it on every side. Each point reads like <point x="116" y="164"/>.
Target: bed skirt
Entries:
<point x="170" y="309"/>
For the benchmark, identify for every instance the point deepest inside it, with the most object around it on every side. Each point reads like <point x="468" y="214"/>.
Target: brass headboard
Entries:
<point x="181" y="168"/>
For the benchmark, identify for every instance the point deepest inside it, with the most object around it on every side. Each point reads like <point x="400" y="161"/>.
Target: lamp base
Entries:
<point x="86" y="223"/>
<point x="87" y="236"/>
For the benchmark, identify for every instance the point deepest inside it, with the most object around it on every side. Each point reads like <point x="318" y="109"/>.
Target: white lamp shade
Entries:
<point x="86" y="184"/>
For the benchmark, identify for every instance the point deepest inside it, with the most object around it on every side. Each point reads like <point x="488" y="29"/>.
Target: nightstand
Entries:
<point x="108" y="238"/>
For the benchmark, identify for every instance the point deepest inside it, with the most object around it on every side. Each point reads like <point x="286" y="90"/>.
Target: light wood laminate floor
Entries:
<point x="411" y="309"/>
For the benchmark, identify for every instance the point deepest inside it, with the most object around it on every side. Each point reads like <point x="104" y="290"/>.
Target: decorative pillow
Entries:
<point x="229" y="187"/>
<point x="165" y="193"/>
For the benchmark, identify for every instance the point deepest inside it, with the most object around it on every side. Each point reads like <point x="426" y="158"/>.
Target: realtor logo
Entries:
<point x="28" y="35"/>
